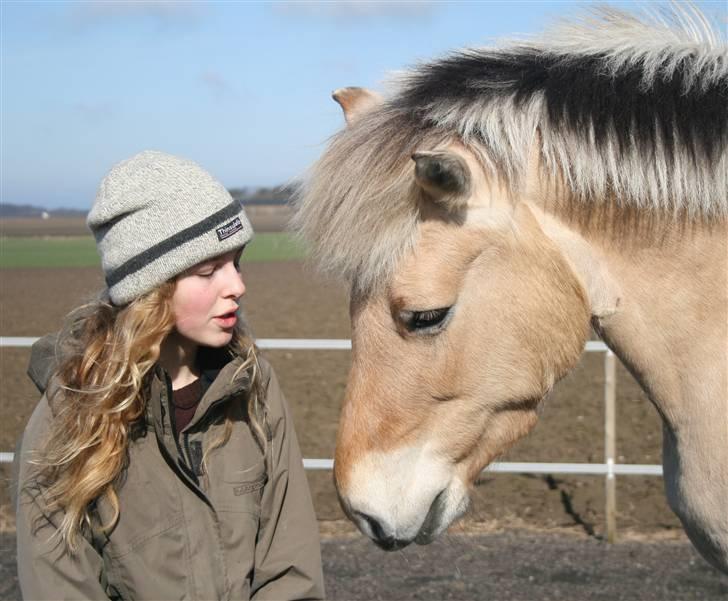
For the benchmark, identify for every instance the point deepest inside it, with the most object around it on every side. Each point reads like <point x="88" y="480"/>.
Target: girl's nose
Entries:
<point x="234" y="281"/>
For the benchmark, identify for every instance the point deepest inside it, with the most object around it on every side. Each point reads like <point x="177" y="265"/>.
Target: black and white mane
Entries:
<point x="627" y="109"/>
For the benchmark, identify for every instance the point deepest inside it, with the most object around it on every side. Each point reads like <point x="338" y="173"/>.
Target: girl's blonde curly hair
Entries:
<point x="99" y="391"/>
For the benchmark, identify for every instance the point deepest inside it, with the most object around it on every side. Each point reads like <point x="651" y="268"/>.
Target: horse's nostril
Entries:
<point x="378" y="532"/>
<point x="379" y="535"/>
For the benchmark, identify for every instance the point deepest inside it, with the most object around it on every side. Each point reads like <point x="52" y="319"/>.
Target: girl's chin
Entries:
<point x="222" y="339"/>
<point x="211" y="339"/>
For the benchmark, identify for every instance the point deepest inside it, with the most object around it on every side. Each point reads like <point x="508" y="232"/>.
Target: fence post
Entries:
<point x="610" y="428"/>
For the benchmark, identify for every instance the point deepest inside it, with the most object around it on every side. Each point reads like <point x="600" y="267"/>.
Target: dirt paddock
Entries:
<point x="503" y="565"/>
<point x="289" y="300"/>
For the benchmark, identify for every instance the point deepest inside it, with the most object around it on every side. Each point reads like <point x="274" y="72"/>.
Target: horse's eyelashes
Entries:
<point x="425" y="322"/>
<point x="429" y="318"/>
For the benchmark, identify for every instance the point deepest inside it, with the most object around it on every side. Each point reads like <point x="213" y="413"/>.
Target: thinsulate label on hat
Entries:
<point x="227" y="230"/>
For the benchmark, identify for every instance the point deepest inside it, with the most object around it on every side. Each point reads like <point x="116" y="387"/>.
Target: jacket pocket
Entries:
<point x="149" y="537"/>
<point x="237" y="501"/>
<point x="249" y="487"/>
<point x="137" y="568"/>
<point x="152" y="538"/>
<point x="240" y="489"/>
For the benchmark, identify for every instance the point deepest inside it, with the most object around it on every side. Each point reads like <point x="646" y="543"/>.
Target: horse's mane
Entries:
<point x="633" y="109"/>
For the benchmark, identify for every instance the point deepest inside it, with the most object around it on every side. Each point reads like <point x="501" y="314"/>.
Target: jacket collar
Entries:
<point x="220" y="382"/>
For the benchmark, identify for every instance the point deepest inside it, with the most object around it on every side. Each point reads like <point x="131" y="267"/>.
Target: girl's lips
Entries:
<point x="226" y="321"/>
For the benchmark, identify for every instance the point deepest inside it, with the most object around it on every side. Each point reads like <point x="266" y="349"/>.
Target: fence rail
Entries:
<point x="298" y="344"/>
<point x="609" y="469"/>
<point x="584" y="469"/>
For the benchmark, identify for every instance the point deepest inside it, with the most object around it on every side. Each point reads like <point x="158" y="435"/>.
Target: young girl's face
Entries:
<point x="205" y="300"/>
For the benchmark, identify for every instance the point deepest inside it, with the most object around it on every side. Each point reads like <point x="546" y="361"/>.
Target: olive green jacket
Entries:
<point x="242" y="528"/>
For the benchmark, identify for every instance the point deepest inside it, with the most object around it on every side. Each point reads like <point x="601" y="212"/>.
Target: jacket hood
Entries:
<point x="43" y="361"/>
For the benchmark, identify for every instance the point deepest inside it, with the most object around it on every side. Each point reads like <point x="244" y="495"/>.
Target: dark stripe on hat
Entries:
<point x="161" y="248"/>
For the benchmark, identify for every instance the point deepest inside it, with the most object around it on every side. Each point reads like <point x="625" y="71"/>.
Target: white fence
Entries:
<point x="609" y="469"/>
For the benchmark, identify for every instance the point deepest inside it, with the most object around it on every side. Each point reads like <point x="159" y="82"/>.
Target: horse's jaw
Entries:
<point x="405" y="495"/>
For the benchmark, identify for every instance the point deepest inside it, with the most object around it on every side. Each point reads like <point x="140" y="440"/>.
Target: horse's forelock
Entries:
<point x="358" y="205"/>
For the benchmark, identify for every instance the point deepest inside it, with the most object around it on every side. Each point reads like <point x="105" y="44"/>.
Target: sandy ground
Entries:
<point x="512" y="565"/>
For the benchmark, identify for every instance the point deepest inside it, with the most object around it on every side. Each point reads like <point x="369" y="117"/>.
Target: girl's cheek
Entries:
<point x="192" y="308"/>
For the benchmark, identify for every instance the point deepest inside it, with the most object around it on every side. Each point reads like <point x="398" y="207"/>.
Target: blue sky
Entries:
<point x="243" y="88"/>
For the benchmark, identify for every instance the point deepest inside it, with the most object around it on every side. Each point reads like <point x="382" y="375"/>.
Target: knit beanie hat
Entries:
<point x="157" y="215"/>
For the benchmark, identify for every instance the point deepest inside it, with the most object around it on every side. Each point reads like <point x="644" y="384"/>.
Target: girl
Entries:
<point x="161" y="461"/>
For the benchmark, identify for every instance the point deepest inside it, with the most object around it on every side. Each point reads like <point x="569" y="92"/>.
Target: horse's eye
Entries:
<point x="425" y="322"/>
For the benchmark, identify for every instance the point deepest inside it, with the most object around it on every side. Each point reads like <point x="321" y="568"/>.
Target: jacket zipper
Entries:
<point x="186" y="440"/>
<point x="186" y="453"/>
<point x="185" y="456"/>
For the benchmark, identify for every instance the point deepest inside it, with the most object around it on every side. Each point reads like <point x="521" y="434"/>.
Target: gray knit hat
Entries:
<point x="156" y="215"/>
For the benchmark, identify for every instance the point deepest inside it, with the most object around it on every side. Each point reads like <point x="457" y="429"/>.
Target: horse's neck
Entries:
<point x="658" y="291"/>
<point x="671" y="329"/>
<point x="670" y="326"/>
<point x="659" y="298"/>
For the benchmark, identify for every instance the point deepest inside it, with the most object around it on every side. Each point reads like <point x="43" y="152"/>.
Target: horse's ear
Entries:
<point x="445" y="177"/>
<point x="355" y="101"/>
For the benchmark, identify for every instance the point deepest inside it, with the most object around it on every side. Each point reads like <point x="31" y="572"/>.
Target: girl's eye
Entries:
<point x="206" y="273"/>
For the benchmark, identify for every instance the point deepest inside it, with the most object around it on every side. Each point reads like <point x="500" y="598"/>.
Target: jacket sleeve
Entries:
<point x="46" y="570"/>
<point x="287" y="552"/>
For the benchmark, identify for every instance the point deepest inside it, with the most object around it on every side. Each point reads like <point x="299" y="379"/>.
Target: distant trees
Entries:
<point x="276" y="195"/>
<point x="9" y="210"/>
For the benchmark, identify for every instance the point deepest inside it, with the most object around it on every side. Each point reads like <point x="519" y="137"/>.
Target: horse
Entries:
<point x="491" y="209"/>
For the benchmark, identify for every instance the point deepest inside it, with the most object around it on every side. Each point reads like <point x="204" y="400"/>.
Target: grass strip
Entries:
<point x="80" y="251"/>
